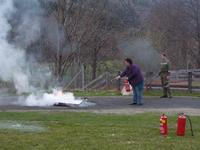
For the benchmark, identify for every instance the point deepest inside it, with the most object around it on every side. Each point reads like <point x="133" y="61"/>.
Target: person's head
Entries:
<point x="128" y="62"/>
<point x="163" y="56"/>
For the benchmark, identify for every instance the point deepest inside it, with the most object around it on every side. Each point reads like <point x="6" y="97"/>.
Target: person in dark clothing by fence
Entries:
<point x="164" y="76"/>
<point x="136" y="80"/>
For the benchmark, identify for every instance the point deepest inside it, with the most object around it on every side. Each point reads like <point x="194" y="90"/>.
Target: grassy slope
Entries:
<point x="85" y="131"/>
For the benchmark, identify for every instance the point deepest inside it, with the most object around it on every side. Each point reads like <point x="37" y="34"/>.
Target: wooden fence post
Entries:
<point x="190" y="81"/>
<point x="119" y="82"/>
<point x="83" y="77"/>
<point x="107" y="80"/>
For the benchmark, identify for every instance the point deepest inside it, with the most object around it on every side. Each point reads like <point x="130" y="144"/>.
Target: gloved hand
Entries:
<point x="117" y="78"/>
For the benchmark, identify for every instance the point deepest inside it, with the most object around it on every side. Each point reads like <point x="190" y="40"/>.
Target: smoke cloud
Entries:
<point x="20" y="23"/>
<point x="28" y="18"/>
<point x="12" y="58"/>
<point x="143" y="53"/>
<point x="50" y="99"/>
<point x="14" y="66"/>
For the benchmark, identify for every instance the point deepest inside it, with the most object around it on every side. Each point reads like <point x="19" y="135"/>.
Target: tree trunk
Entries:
<point x="94" y="65"/>
<point x="198" y="41"/>
<point x="58" y="69"/>
<point x="198" y="33"/>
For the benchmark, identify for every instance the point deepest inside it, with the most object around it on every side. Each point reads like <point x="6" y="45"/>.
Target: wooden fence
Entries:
<point x="180" y="80"/>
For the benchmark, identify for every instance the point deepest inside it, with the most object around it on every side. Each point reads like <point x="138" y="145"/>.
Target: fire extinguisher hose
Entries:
<point x="191" y="127"/>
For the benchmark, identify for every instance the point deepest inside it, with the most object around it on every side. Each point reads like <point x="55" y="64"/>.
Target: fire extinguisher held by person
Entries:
<point x="136" y="80"/>
<point x="164" y="76"/>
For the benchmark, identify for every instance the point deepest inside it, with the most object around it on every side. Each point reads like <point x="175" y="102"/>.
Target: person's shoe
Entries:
<point x="133" y="104"/>
<point x="164" y="96"/>
<point x="140" y="104"/>
<point x="170" y="97"/>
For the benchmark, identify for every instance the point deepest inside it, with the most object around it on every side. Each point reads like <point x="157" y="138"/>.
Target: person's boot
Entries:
<point x="164" y="93"/>
<point x="164" y="96"/>
<point x="133" y="104"/>
<point x="169" y="93"/>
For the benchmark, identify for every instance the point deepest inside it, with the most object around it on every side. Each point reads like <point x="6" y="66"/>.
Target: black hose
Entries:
<point x="191" y="127"/>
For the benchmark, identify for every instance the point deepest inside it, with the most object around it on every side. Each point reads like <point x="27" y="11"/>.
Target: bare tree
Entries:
<point x="82" y="32"/>
<point x="174" y="27"/>
<point x="88" y="26"/>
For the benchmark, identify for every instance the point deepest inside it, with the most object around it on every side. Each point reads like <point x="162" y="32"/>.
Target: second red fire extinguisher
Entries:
<point x="181" y="124"/>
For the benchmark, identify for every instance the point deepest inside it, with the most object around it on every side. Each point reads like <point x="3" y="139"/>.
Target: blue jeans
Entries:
<point x="138" y="93"/>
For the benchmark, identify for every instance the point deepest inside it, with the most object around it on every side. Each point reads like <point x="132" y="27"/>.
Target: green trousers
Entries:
<point x="165" y="84"/>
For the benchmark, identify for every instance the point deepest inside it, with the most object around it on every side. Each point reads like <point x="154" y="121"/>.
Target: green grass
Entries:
<point x="97" y="93"/>
<point x="86" y="131"/>
<point x="149" y="93"/>
<point x="146" y="93"/>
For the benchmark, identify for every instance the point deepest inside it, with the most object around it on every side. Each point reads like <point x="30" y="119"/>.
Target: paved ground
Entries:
<point x="117" y="105"/>
<point x="175" y="105"/>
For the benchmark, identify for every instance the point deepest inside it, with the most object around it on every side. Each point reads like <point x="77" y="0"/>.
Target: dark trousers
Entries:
<point x="138" y="93"/>
<point x="165" y="84"/>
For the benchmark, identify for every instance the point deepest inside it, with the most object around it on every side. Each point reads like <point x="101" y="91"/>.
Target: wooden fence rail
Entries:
<point x="181" y="79"/>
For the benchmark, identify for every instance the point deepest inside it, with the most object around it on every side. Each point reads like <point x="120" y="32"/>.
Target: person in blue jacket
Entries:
<point x="136" y="80"/>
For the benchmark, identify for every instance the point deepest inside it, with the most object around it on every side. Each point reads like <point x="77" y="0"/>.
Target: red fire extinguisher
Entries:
<point x="163" y="125"/>
<point x="127" y="86"/>
<point x="181" y="124"/>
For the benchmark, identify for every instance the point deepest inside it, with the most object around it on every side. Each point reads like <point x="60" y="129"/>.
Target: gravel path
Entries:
<point x="117" y="105"/>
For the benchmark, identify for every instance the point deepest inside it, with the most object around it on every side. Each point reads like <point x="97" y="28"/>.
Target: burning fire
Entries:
<point x="58" y="93"/>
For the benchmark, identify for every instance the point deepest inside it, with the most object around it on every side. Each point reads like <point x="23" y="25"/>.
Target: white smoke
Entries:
<point x="12" y="59"/>
<point x="143" y="53"/>
<point x="29" y="27"/>
<point x="13" y="65"/>
<point x="49" y="99"/>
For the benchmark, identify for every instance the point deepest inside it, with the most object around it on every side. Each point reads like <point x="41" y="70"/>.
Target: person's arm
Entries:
<point x="123" y="74"/>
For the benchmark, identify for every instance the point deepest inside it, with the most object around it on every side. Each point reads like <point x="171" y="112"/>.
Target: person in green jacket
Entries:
<point x="164" y="76"/>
